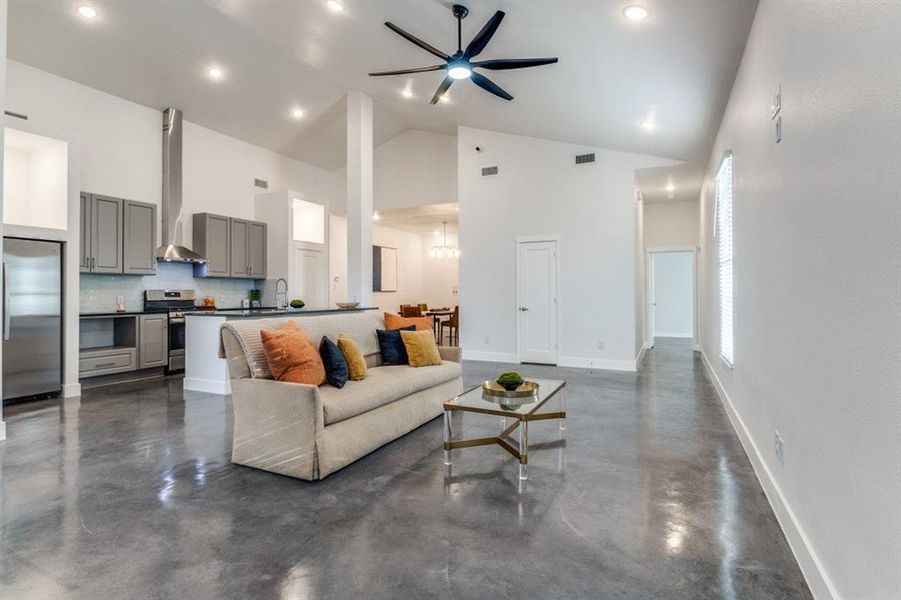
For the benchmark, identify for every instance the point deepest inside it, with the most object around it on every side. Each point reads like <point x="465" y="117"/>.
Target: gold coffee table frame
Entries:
<point x="471" y="401"/>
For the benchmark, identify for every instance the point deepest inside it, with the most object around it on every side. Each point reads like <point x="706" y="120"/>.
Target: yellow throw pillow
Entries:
<point x="421" y="348"/>
<point x="356" y="364"/>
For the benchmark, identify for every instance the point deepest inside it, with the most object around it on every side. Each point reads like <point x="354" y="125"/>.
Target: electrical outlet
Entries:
<point x="780" y="448"/>
<point x="600" y="344"/>
<point x="486" y="341"/>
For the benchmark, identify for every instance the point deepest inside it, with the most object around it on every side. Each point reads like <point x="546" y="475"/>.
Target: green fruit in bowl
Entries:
<point x="510" y="380"/>
<point x="297" y="303"/>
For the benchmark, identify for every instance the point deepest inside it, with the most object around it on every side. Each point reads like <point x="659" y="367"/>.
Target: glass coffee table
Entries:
<point x="521" y="410"/>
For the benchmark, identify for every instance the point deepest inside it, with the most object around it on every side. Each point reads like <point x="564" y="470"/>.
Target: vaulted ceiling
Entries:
<point x="677" y="67"/>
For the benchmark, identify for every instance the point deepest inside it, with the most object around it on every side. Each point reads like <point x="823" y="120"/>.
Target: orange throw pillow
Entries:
<point x="393" y="321"/>
<point x="292" y="356"/>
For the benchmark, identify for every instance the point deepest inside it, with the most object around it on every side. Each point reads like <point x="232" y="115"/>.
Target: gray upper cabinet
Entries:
<point x="257" y="247"/>
<point x="84" y="255"/>
<point x="211" y="239"/>
<point x="106" y="234"/>
<point x="233" y="247"/>
<point x="154" y="341"/>
<point x="240" y="249"/>
<point x="139" y="249"/>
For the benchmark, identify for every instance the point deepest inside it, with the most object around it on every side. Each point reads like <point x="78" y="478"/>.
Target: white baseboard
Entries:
<point x="2" y="430"/>
<point x="207" y="385"/>
<point x="71" y="390"/>
<point x="673" y="335"/>
<point x="504" y="357"/>
<point x="607" y="364"/>
<point x="818" y="580"/>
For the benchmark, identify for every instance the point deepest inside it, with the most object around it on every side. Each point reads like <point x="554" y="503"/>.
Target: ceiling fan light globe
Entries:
<point x="459" y="72"/>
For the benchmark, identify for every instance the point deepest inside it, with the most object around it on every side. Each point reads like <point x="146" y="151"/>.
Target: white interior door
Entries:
<point x="309" y="278"/>
<point x="672" y="294"/>
<point x="537" y="301"/>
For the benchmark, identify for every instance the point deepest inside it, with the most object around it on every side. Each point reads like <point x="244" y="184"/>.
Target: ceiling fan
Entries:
<point x="460" y="65"/>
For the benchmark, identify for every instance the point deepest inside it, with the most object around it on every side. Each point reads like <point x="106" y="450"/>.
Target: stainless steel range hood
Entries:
<point x="172" y="249"/>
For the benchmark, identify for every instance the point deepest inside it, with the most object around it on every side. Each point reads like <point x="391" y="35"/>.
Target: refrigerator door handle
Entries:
<point x="5" y="301"/>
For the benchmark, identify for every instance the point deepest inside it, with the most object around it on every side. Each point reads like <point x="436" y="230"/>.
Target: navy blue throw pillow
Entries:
<point x="392" y="346"/>
<point x="336" y="372"/>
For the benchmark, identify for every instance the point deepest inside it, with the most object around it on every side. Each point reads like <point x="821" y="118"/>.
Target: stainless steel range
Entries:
<point x="176" y="303"/>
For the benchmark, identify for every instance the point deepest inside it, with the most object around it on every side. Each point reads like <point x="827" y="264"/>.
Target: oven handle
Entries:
<point x="177" y="321"/>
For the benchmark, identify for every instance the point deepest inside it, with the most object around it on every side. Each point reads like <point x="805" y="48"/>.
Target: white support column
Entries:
<point x="3" y="13"/>
<point x="359" y="198"/>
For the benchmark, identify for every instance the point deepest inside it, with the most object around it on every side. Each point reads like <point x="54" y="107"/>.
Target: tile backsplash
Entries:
<point x="98" y="292"/>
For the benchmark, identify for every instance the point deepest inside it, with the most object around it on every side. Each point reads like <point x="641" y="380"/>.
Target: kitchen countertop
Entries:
<point x="260" y="313"/>
<point x="127" y="313"/>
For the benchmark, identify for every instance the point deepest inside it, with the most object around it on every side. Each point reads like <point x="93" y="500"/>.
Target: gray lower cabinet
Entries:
<point x="117" y="236"/>
<point x="212" y="240"/>
<point x="106" y="234"/>
<point x="239" y="248"/>
<point x="154" y="341"/>
<point x="139" y="238"/>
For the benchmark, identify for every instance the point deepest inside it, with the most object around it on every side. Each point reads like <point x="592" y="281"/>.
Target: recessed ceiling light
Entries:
<point x="444" y="98"/>
<point x="636" y="12"/>
<point x="86" y="11"/>
<point x="649" y="125"/>
<point x="436" y="232"/>
<point x="670" y="188"/>
<point x="376" y="217"/>
<point x="335" y="6"/>
<point x="296" y="113"/>
<point x="407" y="93"/>
<point x="215" y="73"/>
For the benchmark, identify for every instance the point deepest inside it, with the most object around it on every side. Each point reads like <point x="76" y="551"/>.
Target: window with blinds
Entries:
<point x="724" y="251"/>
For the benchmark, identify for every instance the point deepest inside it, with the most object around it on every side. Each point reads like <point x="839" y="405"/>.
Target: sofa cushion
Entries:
<point x="356" y="363"/>
<point x="292" y="356"/>
<point x="421" y="348"/>
<point x="392" y="346"/>
<point x="382" y="386"/>
<point x="336" y="372"/>
<point x="393" y="321"/>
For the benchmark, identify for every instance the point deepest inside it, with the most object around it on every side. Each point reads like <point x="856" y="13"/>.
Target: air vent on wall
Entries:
<point x="581" y="159"/>
<point x="489" y="171"/>
<point x="261" y="183"/>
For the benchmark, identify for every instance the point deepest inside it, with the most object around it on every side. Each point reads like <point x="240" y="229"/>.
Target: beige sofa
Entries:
<point x="309" y="432"/>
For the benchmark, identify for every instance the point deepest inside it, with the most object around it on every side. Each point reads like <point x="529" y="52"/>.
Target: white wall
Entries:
<point x="3" y="11"/>
<point x="416" y="168"/>
<point x="409" y="264"/>
<point x="122" y="150"/>
<point x="539" y="190"/>
<point x="440" y="276"/>
<point x="817" y="260"/>
<point x="673" y="293"/>
<point x="669" y="224"/>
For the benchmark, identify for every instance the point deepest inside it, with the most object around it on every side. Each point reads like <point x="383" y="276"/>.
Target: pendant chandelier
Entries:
<point x="444" y="251"/>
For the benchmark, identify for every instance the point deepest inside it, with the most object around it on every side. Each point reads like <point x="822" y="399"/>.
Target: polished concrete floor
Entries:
<point x="128" y="493"/>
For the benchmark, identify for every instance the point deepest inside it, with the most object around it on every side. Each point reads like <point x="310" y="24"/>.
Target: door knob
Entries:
<point x="523" y="308"/>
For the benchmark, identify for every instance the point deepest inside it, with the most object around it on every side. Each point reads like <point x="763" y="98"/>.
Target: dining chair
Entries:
<point x="410" y="311"/>
<point x="423" y="307"/>
<point x="453" y="325"/>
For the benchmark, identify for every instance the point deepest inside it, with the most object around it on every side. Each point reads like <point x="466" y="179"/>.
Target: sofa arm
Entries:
<point x="276" y="426"/>
<point x="451" y="353"/>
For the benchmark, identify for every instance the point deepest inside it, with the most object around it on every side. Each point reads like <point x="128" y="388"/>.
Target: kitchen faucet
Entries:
<point x="284" y="294"/>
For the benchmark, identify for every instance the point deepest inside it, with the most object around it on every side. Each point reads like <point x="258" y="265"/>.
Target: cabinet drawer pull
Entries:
<point x="103" y="365"/>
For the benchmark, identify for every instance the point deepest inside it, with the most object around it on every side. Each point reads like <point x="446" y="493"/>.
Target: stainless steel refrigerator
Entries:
<point x="32" y="318"/>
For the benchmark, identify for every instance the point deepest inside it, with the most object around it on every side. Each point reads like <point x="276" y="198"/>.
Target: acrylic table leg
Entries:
<point x="448" y="436"/>
<point x="563" y="410"/>
<point x="524" y="450"/>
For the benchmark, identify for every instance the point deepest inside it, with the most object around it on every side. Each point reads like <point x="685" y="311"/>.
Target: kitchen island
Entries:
<point x="204" y="370"/>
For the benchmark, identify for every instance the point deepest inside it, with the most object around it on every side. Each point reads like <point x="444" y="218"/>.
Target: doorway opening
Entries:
<point x="672" y="298"/>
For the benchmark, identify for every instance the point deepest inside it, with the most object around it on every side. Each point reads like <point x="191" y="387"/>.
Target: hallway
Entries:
<point x="129" y="493"/>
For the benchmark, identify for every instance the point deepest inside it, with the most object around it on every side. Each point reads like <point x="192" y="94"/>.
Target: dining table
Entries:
<point x="437" y="316"/>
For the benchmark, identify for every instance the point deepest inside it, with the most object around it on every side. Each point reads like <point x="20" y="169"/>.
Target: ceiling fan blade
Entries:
<point x="406" y="71"/>
<point x="442" y="89"/>
<point x="482" y="38"/>
<point x="489" y="86"/>
<point x="503" y="64"/>
<point x="412" y="38"/>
